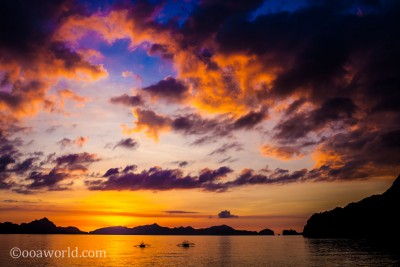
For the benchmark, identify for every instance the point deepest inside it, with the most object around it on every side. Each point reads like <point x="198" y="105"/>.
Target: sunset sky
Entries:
<point x="136" y="112"/>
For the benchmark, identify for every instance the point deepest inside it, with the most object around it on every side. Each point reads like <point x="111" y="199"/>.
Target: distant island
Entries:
<point x="290" y="232"/>
<point x="42" y="226"/>
<point x="45" y="226"/>
<point x="375" y="217"/>
<point x="155" y="229"/>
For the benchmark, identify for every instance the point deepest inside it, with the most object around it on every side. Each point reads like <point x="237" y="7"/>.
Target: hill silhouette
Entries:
<point x="375" y="217"/>
<point x="266" y="232"/>
<point x="42" y="226"/>
<point x="155" y="229"/>
<point x="45" y="226"/>
<point x="290" y="232"/>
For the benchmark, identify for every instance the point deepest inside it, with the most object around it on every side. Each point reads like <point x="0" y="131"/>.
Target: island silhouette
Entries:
<point x="45" y="226"/>
<point x="375" y="217"/>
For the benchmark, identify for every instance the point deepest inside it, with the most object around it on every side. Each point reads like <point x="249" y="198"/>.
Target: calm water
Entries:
<point x="209" y="251"/>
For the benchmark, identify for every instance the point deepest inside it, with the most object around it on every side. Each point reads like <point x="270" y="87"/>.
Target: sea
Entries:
<point x="122" y="250"/>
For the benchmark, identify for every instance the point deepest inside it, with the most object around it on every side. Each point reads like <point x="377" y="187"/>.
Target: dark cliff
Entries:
<point x="375" y="217"/>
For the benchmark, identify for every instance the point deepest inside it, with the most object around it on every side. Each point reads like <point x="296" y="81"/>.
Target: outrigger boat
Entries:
<point x="142" y="245"/>
<point x="186" y="244"/>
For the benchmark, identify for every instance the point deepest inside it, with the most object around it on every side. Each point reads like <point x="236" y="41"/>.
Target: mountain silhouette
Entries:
<point x="375" y="217"/>
<point x="266" y="232"/>
<point x="45" y="226"/>
<point x="155" y="229"/>
<point x="42" y="226"/>
<point x="290" y="232"/>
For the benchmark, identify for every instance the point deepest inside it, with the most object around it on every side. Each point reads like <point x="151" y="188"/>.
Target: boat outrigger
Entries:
<point x="142" y="245"/>
<point x="186" y="244"/>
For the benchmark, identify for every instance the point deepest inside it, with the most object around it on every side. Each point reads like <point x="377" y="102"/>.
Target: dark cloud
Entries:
<point x="157" y="178"/>
<point x="363" y="153"/>
<point x="340" y="61"/>
<point x="46" y="180"/>
<point x="71" y="159"/>
<point x="161" y="50"/>
<point x="111" y="171"/>
<point x="129" y="168"/>
<point x="21" y="201"/>
<point x="207" y="175"/>
<point x="127" y="100"/>
<point x="181" y="164"/>
<point x="194" y="124"/>
<point x="226" y="214"/>
<point x="127" y="143"/>
<point x="5" y="160"/>
<point x="215" y="13"/>
<point x="169" y="89"/>
<point x="299" y="125"/>
<point x="249" y="120"/>
<point x="279" y="176"/>
<point x="208" y="129"/>
<point x="25" y="26"/>
<point x="10" y="201"/>
<point x="46" y="172"/>
<point x="227" y="159"/>
<point x="227" y="147"/>
<point x="293" y="107"/>
<point x="76" y="162"/>
<point x="26" y="165"/>
<point x="9" y="156"/>
<point x="214" y="128"/>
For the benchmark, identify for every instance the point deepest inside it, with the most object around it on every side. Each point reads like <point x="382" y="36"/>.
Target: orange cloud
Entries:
<point x="117" y="24"/>
<point x="282" y="152"/>
<point x="30" y="81"/>
<point x="226" y="83"/>
<point x="69" y="94"/>
<point x="149" y="122"/>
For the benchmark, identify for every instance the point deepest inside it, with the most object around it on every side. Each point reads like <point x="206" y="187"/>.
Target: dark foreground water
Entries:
<point x="85" y="250"/>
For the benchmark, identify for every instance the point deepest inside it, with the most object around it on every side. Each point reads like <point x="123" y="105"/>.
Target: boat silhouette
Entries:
<point x="186" y="244"/>
<point x="142" y="245"/>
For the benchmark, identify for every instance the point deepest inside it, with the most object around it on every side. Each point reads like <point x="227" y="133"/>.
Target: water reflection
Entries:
<point x="350" y="252"/>
<point x="209" y="251"/>
<point x="225" y="250"/>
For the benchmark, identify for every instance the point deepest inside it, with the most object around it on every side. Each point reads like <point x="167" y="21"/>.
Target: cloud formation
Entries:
<point x="80" y="141"/>
<point x="226" y="214"/>
<point x="127" y="143"/>
<point x="31" y="60"/>
<point x="282" y="152"/>
<point x="322" y="77"/>
<point x="169" y="89"/>
<point x="235" y="146"/>
<point x="157" y="178"/>
<point x="126" y="100"/>
<point x="206" y="128"/>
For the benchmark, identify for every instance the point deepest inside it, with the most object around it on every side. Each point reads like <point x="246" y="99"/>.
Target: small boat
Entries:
<point x="142" y="245"/>
<point x="186" y="244"/>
